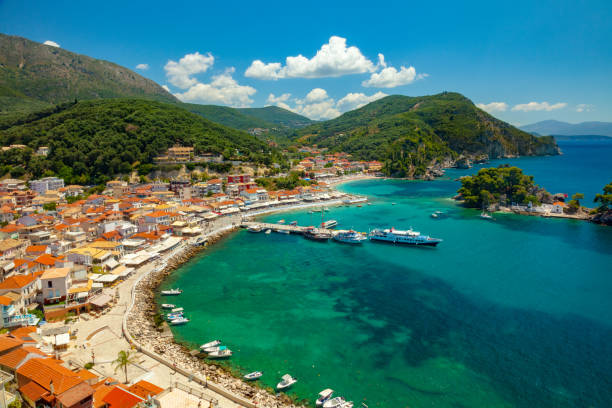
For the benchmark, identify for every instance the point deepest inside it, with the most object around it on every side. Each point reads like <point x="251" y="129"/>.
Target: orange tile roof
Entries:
<point x="36" y="248"/>
<point x="144" y="388"/>
<point x="43" y="371"/>
<point x="17" y="282"/>
<point x="32" y="391"/>
<point x="5" y="300"/>
<point x="46" y="259"/>
<point x="8" y="342"/>
<point x="157" y="214"/>
<point x="86" y="374"/>
<point x="120" y="398"/>
<point x="13" y="358"/>
<point x="22" y="332"/>
<point x="101" y="389"/>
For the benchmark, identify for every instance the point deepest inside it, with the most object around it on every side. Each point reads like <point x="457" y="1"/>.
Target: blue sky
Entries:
<point x="524" y="61"/>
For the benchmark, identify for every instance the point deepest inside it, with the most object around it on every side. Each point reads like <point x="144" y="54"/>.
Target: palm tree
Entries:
<point x="124" y="359"/>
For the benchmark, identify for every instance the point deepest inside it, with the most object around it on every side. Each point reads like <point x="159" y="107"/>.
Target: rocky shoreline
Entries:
<point x="141" y="322"/>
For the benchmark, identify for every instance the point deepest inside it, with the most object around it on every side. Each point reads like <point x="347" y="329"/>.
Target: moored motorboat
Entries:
<point x="281" y="222"/>
<point x="213" y="343"/>
<point x="335" y="402"/>
<point x="221" y="353"/>
<point x="286" y="382"/>
<point x="268" y="231"/>
<point x="255" y="375"/>
<point x="255" y="228"/>
<point x="324" y="395"/>
<point x="486" y="216"/>
<point x="167" y="306"/>
<point x="173" y="316"/>
<point x="317" y="235"/>
<point x="179" y="321"/>
<point x="177" y="310"/>
<point x="329" y="224"/>
<point x="407" y="237"/>
<point x="171" y="292"/>
<point x="293" y="223"/>
<point x="349" y="237"/>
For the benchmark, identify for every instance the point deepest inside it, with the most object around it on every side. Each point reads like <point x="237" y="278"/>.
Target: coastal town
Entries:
<point x="79" y="270"/>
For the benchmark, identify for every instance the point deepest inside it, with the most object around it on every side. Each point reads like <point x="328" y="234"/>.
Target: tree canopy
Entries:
<point x="498" y="184"/>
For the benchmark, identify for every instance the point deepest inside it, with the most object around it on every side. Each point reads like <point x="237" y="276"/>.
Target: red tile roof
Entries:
<point x="144" y="388"/>
<point x="17" y="282"/>
<point x="32" y="391"/>
<point x="43" y="371"/>
<point x="120" y="398"/>
<point x="46" y="259"/>
<point x="8" y="342"/>
<point x="13" y="358"/>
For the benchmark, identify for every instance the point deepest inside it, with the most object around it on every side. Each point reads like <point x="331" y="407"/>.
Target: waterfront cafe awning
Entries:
<point x="231" y="210"/>
<point x="101" y="300"/>
<point x="108" y="278"/>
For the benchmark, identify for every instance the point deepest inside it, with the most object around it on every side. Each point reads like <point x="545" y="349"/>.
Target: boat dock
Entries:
<point x="293" y="229"/>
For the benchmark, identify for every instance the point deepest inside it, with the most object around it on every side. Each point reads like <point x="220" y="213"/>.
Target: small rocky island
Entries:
<point x="506" y="188"/>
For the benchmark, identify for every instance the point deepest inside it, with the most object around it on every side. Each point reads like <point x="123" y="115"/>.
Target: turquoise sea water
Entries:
<point x="516" y="312"/>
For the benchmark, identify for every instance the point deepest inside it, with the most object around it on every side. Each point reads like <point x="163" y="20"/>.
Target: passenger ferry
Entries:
<point x="408" y="237"/>
<point x="350" y="237"/>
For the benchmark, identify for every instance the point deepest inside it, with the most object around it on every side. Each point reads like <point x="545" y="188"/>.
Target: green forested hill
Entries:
<point x="35" y="76"/>
<point x="227" y="116"/>
<point x="248" y="118"/>
<point x="278" y="116"/>
<point x="409" y="133"/>
<point x="93" y="140"/>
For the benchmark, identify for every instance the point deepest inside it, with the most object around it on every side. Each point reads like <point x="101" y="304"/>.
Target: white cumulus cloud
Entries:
<point x="280" y="100"/>
<point x="166" y="88"/>
<point x="390" y="77"/>
<point x="538" y="106"/>
<point x="52" y="43"/>
<point x="357" y="100"/>
<point x="223" y="89"/>
<point x="317" y="104"/>
<point x="334" y="59"/>
<point x="142" y="67"/>
<point x="493" y="106"/>
<point x="180" y="73"/>
<point x="583" y="107"/>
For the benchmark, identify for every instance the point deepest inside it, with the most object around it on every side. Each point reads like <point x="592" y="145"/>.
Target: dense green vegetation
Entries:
<point x="409" y="133"/>
<point x="93" y="140"/>
<point x="277" y="116"/>
<point x="289" y="182"/>
<point x="34" y="76"/>
<point x="498" y="185"/>
<point x="227" y="116"/>
<point x="605" y="199"/>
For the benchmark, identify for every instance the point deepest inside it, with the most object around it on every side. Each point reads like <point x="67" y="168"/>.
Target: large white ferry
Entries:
<point x="407" y="237"/>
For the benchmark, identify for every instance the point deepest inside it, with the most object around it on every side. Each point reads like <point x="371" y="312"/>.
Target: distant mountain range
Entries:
<point x="555" y="127"/>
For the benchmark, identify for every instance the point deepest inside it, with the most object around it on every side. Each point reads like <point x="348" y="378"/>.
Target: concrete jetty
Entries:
<point x="293" y="229"/>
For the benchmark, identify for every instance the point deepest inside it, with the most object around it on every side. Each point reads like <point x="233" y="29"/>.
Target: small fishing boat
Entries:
<point x="281" y="222"/>
<point x="324" y="395"/>
<point x="438" y="214"/>
<point x="212" y="349"/>
<point x="317" y="235"/>
<point x="286" y="382"/>
<point x="177" y="310"/>
<point x="486" y="216"/>
<point x="224" y="353"/>
<point x="179" y="321"/>
<point x="173" y="316"/>
<point x="293" y="223"/>
<point x="393" y="203"/>
<point x="171" y="292"/>
<point x="268" y="231"/>
<point x="281" y="231"/>
<point x="213" y="343"/>
<point x="168" y="306"/>
<point x="255" y="228"/>
<point x="255" y="375"/>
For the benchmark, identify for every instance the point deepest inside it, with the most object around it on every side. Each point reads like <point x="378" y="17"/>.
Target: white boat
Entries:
<point x="255" y="228"/>
<point x="177" y="310"/>
<point x="486" y="216"/>
<point x="336" y="402"/>
<point x="268" y="231"/>
<point x="286" y="232"/>
<point x="437" y="214"/>
<point x="286" y="382"/>
<point x="178" y="321"/>
<point x="213" y="343"/>
<point x="350" y="237"/>
<point x="255" y="375"/>
<point x="174" y="316"/>
<point x="171" y="292"/>
<point x="408" y="237"/>
<point x="168" y="306"/>
<point x="224" y="353"/>
<point x="212" y="349"/>
<point x="324" y="395"/>
<point x="347" y="404"/>
<point x="329" y="224"/>
<point x="281" y="222"/>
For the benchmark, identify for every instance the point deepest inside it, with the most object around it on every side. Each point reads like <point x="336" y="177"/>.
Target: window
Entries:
<point x="50" y="284"/>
